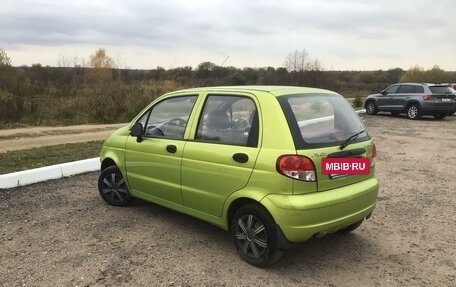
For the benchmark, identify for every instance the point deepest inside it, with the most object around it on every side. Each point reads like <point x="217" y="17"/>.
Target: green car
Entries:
<point x="249" y="160"/>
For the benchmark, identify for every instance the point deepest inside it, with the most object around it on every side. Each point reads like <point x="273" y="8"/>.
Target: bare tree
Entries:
<point x="315" y="65"/>
<point x="299" y="64"/>
<point x="297" y="61"/>
<point x="64" y="62"/>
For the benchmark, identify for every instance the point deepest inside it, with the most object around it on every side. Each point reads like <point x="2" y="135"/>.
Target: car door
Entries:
<point x="153" y="164"/>
<point x="220" y="158"/>
<point x="384" y="101"/>
<point x="403" y="95"/>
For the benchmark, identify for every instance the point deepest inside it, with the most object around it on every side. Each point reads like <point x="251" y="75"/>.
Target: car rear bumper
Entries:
<point x="431" y="108"/>
<point x="302" y="216"/>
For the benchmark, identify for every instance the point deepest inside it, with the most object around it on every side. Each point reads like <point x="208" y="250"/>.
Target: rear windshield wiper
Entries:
<point x="350" y="139"/>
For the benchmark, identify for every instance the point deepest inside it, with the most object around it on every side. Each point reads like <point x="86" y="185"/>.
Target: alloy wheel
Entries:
<point x="370" y="108"/>
<point x="251" y="236"/>
<point x="113" y="188"/>
<point x="412" y="112"/>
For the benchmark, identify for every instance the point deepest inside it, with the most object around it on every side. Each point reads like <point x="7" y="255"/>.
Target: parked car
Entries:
<point x="451" y="85"/>
<point x="247" y="159"/>
<point x="413" y="99"/>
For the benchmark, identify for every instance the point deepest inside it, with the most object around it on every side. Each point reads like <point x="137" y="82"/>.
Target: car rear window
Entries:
<point x="321" y="120"/>
<point x="440" y="90"/>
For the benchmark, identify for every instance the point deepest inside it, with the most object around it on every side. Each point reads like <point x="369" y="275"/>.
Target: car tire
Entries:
<point x="413" y="112"/>
<point x="352" y="227"/>
<point x="113" y="188"/>
<point x="395" y="113"/>
<point x="255" y="235"/>
<point x="439" y="116"/>
<point x="371" y="108"/>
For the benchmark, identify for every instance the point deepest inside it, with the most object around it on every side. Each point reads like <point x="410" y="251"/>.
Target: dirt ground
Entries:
<point x="61" y="233"/>
<point x="25" y="138"/>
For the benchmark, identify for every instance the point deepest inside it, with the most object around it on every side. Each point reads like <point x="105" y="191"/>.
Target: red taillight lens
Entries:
<point x="426" y="98"/>
<point x="297" y="167"/>
<point x="374" y="155"/>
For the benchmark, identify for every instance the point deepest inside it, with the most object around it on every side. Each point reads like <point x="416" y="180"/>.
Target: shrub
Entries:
<point x="357" y="102"/>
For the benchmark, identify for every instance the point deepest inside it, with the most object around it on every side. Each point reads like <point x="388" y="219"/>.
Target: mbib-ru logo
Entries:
<point x="345" y="165"/>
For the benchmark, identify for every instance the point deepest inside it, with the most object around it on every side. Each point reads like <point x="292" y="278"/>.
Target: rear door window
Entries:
<point x="228" y="119"/>
<point x="321" y="120"/>
<point x="406" y="89"/>
<point x="419" y="89"/>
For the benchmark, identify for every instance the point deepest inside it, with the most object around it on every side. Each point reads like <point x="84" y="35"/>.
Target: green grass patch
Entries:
<point x="49" y="155"/>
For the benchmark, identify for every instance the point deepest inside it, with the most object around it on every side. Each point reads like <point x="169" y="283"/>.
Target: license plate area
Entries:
<point x="343" y="166"/>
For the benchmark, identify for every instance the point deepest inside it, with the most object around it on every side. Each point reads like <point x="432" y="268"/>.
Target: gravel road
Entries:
<point x="60" y="233"/>
<point x="31" y="137"/>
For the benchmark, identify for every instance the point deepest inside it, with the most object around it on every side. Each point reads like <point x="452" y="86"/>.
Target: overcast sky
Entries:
<point x="342" y="34"/>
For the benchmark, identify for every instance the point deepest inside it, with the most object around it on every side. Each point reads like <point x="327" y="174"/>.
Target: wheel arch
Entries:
<point x="112" y="156"/>
<point x="235" y="205"/>
<point x="370" y="100"/>
<point x="241" y="198"/>
<point x="413" y="102"/>
<point x="107" y="162"/>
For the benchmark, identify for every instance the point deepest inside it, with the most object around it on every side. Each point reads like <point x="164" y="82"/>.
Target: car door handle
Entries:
<point x="240" y="157"/>
<point x="171" y="148"/>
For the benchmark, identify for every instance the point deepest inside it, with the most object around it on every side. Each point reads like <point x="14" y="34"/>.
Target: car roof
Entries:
<point x="273" y="90"/>
<point x="416" y="84"/>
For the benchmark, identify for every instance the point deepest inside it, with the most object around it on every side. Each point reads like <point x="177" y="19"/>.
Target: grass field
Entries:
<point x="49" y="155"/>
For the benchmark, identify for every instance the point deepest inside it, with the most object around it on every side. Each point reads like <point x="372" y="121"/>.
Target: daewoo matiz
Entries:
<point x="247" y="159"/>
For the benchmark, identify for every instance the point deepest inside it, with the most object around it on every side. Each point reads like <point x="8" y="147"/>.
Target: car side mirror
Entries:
<point x="137" y="131"/>
<point x="384" y="92"/>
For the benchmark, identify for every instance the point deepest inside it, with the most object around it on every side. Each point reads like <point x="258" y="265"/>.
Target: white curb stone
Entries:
<point x="56" y="171"/>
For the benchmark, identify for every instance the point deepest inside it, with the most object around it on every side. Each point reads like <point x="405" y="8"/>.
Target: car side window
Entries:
<point x="169" y="117"/>
<point x="392" y="89"/>
<point x="419" y="89"/>
<point x="229" y="120"/>
<point x="406" y="89"/>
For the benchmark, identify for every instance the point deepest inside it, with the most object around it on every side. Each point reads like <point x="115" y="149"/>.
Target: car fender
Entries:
<point x="114" y="149"/>
<point x="246" y="194"/>
<point x="414" y="102"/>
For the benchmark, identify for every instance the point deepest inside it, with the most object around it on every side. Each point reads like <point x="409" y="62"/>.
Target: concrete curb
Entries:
<point x="56" y="171"/>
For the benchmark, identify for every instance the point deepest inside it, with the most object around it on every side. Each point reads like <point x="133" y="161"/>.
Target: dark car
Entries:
<point x="413" y="99"/>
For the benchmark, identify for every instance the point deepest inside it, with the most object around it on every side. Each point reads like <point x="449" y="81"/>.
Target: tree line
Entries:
<point x="101" y="92"/>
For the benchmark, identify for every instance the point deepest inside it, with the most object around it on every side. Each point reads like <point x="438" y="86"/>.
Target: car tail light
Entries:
<point x="426" y="98"/>
<point x="374" y="155"/>
<point x="297" y="167"/>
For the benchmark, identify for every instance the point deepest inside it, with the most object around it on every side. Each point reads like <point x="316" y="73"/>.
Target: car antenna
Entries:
<point x="226" y="59"/>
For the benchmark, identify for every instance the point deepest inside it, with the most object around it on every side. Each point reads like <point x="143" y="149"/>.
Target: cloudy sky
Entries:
<point x="342" y="34"/>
